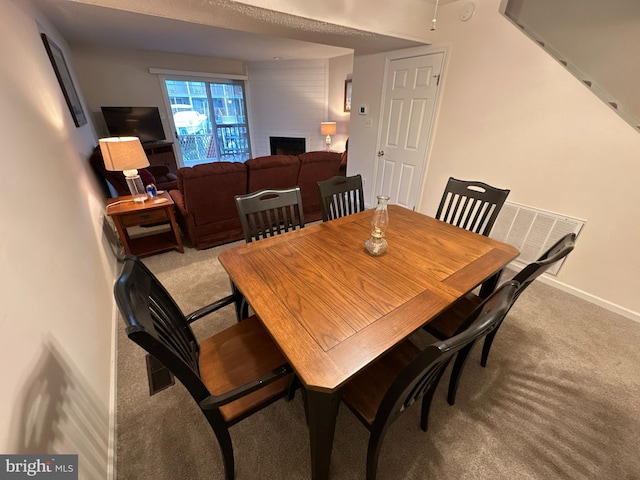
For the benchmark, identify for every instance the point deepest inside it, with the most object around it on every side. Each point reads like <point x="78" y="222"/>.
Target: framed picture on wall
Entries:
<point x="64" y="79"/>
<point x="347" y="95"/>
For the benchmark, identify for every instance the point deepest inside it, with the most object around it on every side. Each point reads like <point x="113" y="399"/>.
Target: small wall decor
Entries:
<point x="64" y="78"/>
<point x="347" y="95"/>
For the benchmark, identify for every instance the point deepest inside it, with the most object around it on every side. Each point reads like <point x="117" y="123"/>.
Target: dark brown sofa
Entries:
<point x="205" y="204"/>
<point x="315" y="167"/>
<point x="273" y="171"/>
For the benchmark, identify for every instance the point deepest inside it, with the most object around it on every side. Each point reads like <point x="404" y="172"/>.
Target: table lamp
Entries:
<point x="328" y="129"/>
<point x="127" y="155"/>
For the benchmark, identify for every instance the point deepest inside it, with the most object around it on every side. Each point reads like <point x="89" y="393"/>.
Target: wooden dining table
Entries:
<point x="333" y="309"/>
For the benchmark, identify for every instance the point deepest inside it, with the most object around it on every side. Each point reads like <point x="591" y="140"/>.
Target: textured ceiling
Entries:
<point x="216" y="28"/>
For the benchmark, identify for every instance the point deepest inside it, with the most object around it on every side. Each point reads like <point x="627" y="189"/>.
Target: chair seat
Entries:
<point x="226" y="363"/>
<point x="449" y="322"/>
<point x="364" y="393"/>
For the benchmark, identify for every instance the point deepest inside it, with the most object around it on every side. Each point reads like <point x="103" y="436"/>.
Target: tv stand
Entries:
<point x="161" y="153"/>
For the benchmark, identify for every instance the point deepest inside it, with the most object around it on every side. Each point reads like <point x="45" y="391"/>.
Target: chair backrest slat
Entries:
<point x="471" y="205"/>
<point x="270" y="212"/>
<point x="340" y="196"/>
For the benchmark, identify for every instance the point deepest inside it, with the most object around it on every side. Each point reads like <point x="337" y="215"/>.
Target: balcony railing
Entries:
<point x="230" y="144"/>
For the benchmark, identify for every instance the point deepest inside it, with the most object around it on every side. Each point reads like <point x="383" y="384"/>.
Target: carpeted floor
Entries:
<point x="558" y="400"/>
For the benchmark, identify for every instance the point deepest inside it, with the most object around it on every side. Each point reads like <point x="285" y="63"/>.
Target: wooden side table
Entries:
<point x="156" y="211"/>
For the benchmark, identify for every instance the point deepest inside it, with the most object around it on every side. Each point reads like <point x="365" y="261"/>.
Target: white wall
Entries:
<point x="57" y="307"/>
<point x="340" y="69"/>
<point x="512" y="116"/>
<point x="367" y="86"/>
<point x="291" y="98"/>
<point x="404" y="19"/>
<point x="117" y="77"/>
<point x="598" y="41"/>
<point x="287" y="98"/>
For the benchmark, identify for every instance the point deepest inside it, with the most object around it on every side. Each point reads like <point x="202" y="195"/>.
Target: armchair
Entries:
<point x="160" y="175"/>
<point x="205" y="205"/>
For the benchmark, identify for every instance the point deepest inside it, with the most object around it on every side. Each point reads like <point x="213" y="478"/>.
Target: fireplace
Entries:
<point x="287" y="145"/>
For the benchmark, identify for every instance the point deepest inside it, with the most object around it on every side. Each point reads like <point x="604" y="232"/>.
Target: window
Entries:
<point x="210" y="120"/>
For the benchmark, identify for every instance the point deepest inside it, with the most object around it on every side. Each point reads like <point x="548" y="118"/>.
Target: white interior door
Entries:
<point x="411" y="86"/>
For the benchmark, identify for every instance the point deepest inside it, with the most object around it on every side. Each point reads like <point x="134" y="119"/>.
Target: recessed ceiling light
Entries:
<point x="277" y="58"/>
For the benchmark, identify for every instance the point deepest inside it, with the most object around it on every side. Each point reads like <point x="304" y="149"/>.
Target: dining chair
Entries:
<point x="269" y="212"/>
<point x="405" y="375"/>
<point x="474" y="206"/>
<point x="471" y="205"/>
<point x="230" y="375"/>
<point x="340" y="196"/>
<point x="454" y="320"/>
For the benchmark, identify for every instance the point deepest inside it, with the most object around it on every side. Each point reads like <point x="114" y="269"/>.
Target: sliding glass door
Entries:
<point x="209" y="120"/>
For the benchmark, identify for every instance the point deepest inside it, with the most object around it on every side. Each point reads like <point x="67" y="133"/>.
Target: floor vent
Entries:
<point x="159" y="376"/>
<point x="532" y="231"/>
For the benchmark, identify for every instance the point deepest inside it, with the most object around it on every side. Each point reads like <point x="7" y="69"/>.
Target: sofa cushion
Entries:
<point x="274" y="171"/>
<point x="209" y="190"/>
<point x="314" y="167"/>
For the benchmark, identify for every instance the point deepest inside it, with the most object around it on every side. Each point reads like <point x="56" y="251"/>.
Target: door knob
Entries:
<point x="381" y="153"/>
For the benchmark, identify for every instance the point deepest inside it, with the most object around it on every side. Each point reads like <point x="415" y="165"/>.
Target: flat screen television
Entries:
<point x="141" y="122"/>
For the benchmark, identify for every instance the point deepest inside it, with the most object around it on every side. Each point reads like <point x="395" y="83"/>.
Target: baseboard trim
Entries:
<point x="612" y="307"/>
<point x="111" y="454"/>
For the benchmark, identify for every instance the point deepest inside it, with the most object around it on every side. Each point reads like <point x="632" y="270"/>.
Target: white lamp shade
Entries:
<point x="328" y="128"/>
<point x="123" y="153"/>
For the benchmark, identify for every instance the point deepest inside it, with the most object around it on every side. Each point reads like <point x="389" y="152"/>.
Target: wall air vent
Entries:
<point x="532" y="231"/>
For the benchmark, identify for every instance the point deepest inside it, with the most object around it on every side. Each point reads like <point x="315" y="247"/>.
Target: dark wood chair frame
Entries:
<point x="419" y="380"/>
<point x="474" y="206"/>
<point x="471" y="205"/>
<point x="269" y="212"/>
<point x="155" y="322"/>
<point x="266" y="213"/>
<point x="340" y="196"/>
<point x="528" y="274"/>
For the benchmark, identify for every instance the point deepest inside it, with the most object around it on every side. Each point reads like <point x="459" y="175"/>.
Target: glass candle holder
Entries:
<point x="376" y="244"/>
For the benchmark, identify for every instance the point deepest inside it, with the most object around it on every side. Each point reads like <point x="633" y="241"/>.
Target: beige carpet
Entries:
<point x="558" y="400"/>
